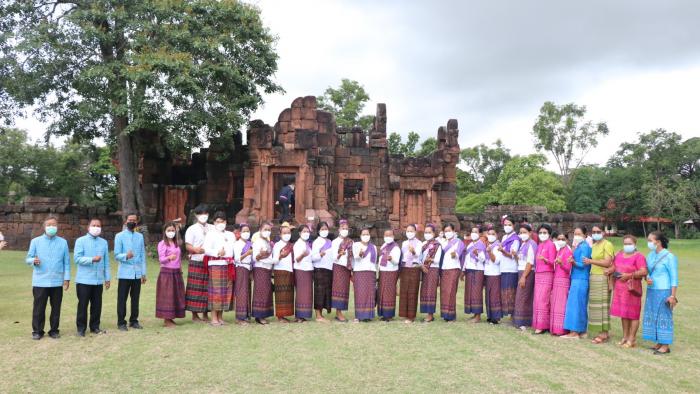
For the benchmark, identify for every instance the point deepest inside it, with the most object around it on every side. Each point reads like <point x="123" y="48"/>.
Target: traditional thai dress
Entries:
<point x="364" y="269"/>
<point x="450" y="271"/>
<point x="509" y="273"/>
<point x="241" y="287"/>
<point x="323" y="273"/>
<point x="342" y="270"/>
<point x="657" y="325"/>
<point x="492" y="281"/>
<point x="282" y="257"/>
<point x="221" y="269"/>
<point x="303" y="280"/>
<point x="388" y="276"/>
<point x="474" y="277"/>
<point x="522" y="314"/>
<point x="560" y="290"/>
<point x="197" y="275"/>
<point x="170" y="288"/>
<point x="544" y="278"/>
<point x="625" y="304"/>
<point x="262" y="280"/>
<point x="431" y="253"/>
<point x="599" y="292"/>
<point x="576" y="316"/>
<point x="410" y="274"/>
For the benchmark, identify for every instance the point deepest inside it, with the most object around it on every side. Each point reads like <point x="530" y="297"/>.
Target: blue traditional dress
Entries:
<point x="576" y="317"/>
<point x="657" y="325"/>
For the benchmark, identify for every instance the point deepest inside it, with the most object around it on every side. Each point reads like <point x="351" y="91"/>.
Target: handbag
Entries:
<point x="634" y="286"/>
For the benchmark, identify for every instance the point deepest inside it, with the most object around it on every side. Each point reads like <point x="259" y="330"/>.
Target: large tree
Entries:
<point x="187" y="70"/>
<point x="346" y="103"/>
<point x="484" y="163"/>
<point x="562" y="131"/>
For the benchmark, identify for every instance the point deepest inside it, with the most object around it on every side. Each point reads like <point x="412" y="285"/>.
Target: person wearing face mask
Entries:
<point x="341" y="252"/>
<point x="662" y="285"/>
<point x="243" y="259"/>
<point x="282" y="258"/>
<point x="522" y="313"/>
<point x="431" y="255"/>
<point x="364" y="270"/>
<point x="322" y="259"/>
<point x="450" y="272"/>
<point x="262" y="275"/>
<point x="560" y="285"/>
<point x="544" y="278"/>
<point x="629" y="268"/>
<point x="389" y="260"/>
<point x="170" y="288"/>
<point x="474" y="275"/>
<point x="492" y="276"/>
<point x="409" y="275"/>
<point x="218" y="259"/>
<point x="50" y="262"/>
<point x="197" y="291"/>
<point x="576" y="317"/>
<point x="130" y="252"/>
<point x="91" y="256"/>
<point x="599" y="291"/>
<point x="303" y="275"/>
<point x="510" y="244"/>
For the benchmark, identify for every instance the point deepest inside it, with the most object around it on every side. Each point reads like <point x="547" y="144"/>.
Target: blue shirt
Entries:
<point x="663" y="269"/>
<point x="580" y="270"/>
<point x="89" y="273"/>
<point x="135" y="267"/>
<point x="54" y="262"/>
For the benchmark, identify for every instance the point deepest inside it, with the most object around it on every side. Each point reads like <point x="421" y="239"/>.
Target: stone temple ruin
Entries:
<point x="337" y="173"/>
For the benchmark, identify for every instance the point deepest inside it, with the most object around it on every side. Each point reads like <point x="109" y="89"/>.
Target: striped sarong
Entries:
<point x="220" y="289"/>
<point x="448" y="293"/>
<point x="304" y="301"/>
<point x="576" y="316"/>
<point x="541" y="304"/>
<point x="474" y="292"/>
<point x="408" y="292"/>
<point x="598" y="305"/>
<point x="365" y="288"/>
<point x="522" y="315"/>
<point x="197" y="287"/>
<point x="386" y="304"/>
<point x="657" y="325"/>
<point x="170" y="294"/>
<point x="262" y="293"/>
<point x="428" y="290"/>
<point x="493" y="297"/>
<point x="241" y="292"/>
<point x="509" y="281"/>
<point x="323" y="282"/>
<point x="284" y="293"/>
<point x="560" y="293"/>
<point x="340" y="293"/>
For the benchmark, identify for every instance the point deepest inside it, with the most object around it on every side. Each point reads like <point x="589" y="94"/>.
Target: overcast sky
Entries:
<point x="491" y="64"/>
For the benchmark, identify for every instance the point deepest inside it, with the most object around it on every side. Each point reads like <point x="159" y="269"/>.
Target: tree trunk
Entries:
<point x="676" y="230"/>
<point x="129" y="185"/>
<point x="644" y="228"/>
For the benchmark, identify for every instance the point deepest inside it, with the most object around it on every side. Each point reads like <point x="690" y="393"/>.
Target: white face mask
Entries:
<point x="245" y="235"/>
<point x="410" y="235"/>
<point x="286" y="237"/>
<point x="491" y="238"/>
<point x="388" y="240"/>
<point x="508" y="229"/>
<point x="474" y="236"/>
<point x="323" y="233"/>
<point x="95" y="231"/>
<point x="544" y="237"/>
<point x="220" y="226"/>
<point x="428" y="236"/>
<point x="578" y="239"/>
<point x="170" y="234"/>
<point x="365" y="238"/>
<point x="597" y="237"/>
<point x="524" y="237"/>
<point x="449" y="234"/>
<point x="343" y="232"/>
<point x="265" y="234"/>
<point x="202" y="218"/>
<point x="559" y="244"/>
<point x="305" y="236"/>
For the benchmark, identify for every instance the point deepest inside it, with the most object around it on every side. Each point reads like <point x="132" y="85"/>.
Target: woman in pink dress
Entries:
<point x="562" y="281"/>
<point x="544" y="277"/>
<point x="627" y="293"/>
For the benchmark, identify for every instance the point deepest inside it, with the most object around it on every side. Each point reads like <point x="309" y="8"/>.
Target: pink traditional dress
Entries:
<point x="560" y="290"/>
<point x="625" y="304"/>
<point x="544" y="277"/>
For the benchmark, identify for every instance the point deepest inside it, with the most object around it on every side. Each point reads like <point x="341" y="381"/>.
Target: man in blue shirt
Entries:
<point x="285" y="201"/>
<point x="91" y="256"/>
<point x="130" y="251"/>
<point x="48" y="255"/>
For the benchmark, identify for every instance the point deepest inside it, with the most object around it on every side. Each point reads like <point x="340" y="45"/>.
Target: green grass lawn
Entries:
<point x="315" y="357"/>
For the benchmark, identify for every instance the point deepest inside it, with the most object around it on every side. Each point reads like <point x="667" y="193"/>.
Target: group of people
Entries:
<point x="539" y="278"/>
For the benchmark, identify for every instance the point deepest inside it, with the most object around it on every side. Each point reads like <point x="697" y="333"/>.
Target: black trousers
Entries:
<point x="92" y="295"/>
<point x="128" y="288"/>
<point x="285" y="211"/>
<point x="41" y="296"/>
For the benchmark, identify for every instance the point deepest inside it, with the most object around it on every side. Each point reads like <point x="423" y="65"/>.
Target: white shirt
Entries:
<point x="214" y="241"/>
<point x="472" y="262"/>
<point x="530" y="258"/>
<point x="509" y="264"/>
<point x="305" y="264"/>
<point x="436" y="259"/>
<point x="326" y="261"/>
<point x="392" y="265"/>
<point x="238" y="251"/>
<point x="363" y="263"/>
<point x="493" y="268"/>
<point x="334" y="253"/>
<point x="409" y="259"/>
<point x="449" y="262"/>
<point x="195" y="236"/>
<point x="260" y="245"/>
<point x="281" y="264"/>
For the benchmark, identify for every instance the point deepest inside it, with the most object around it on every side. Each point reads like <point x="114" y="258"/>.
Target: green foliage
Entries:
<point x="408" y="149"/>
<point x="346" y="103"/>
<point x="474" y="202"/>
<point x="484" y="164"/>
<point x="584" y="192"/>
<point x="524" y="181"/>
<point x="427" y="147"/>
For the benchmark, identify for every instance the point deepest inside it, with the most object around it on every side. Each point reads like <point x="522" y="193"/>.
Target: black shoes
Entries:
<point x="81" y="333"/>
<point x="122" y="327"/>
<point x="136" y="325"/>
<point x="36" y="336"/>
<point x="54" y="335"/>
<point x="98" y="331"/>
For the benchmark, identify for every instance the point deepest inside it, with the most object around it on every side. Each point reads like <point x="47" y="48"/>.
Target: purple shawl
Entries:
<point x="508" y="243"/>
<point x="476" y="245"/>
<point x="459" y="250"/>
<point x="372" y="252"/>
<point x="386" y="251"/>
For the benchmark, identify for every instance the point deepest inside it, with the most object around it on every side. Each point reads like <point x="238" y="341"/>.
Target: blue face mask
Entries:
<point x="651" y="245"/>
<point x="628" y="248"/>
<point x="597" y="237"/>
<point x="51" y="230"/>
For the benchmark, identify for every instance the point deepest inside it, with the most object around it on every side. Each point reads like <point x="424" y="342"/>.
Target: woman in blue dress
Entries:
<point x="576" y="317"/>
<point x="662" y="283"/>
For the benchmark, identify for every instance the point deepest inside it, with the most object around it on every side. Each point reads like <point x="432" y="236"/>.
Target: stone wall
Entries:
<point x="535" y="215"/>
